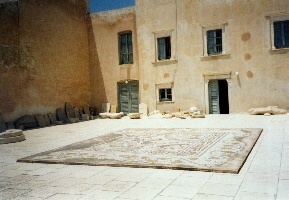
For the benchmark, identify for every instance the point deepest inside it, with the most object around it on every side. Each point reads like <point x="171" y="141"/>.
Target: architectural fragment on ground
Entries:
<point x="270" y="110"/>
<point x="72" y="115"/>
<point x="11" y="136"/>
<point x="193" y="112"/>
<point x="134" y="115"/>
<point x="108" y="115"/>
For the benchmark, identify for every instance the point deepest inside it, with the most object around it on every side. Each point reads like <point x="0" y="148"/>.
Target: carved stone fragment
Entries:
<point x="69" y="111"/>
<point x="26" y="122"/>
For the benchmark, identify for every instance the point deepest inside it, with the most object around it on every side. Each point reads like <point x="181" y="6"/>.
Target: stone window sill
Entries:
<point x="279" y="51"/>
<point x="125" y="65"/>
<point x="215" y="56"/>
<point x="165" y="62"/>
<point x="165" y="102"/>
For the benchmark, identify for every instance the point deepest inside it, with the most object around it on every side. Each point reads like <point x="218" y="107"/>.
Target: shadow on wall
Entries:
<point x="98" y="94"/>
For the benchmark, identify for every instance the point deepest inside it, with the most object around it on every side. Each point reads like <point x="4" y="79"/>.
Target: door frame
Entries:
<point x="216" y="76"/>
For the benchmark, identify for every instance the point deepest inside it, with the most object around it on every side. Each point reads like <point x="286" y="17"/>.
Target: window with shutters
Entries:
<point x="125" y="48"/>
<point x="281" y="34"/>
<point x="164" y="48"/>
<point x="214" y="42"/>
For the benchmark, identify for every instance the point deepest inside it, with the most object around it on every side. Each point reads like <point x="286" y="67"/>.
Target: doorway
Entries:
<point x="128" y="96"/>
<point x="218" y="97"/>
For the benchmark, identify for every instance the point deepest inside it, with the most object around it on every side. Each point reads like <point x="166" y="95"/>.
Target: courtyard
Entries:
<point x="264" y="175"/>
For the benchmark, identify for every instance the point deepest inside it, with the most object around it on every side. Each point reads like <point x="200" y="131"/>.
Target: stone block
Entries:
<point x="76" y="111"/>
<point x="26" y="122"/>
<point x="69" y="110"/>
<point x="41" y="120"/>
<point x="47" y="120"/>
<point x="61" y="115"/>
<point x="105" y="107"/>
<point x="134" y="115"/>
<point x="113" y="109"/>
<point x="73" y="120"/>
<point x="85" y="117"/>
<point x="273" y="110"/>
<point x="52" y="118"/>
<point x="2" y="124"/>
<point x="11" y="136"/>
<point x="143" y="109"/>
<point x="104" y="115"/>
<point x="115" y="115"/>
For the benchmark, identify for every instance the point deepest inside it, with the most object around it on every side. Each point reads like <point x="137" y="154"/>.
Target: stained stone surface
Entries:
<point x="52" y="118"/>
<point x="61" y="115"/>
<point x="69" y="111"/>
<point x="219" y="150"/>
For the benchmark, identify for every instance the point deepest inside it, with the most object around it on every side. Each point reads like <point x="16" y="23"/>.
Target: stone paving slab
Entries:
<point x="218" y="150"/>
<point x="272" y="145"/>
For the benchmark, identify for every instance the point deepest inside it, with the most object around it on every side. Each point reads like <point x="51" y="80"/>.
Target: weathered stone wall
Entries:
<point x="105" y="68"/>
<point x="52" y="46"/>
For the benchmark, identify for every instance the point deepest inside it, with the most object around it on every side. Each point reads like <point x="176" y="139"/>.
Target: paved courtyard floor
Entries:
<point x="265" y="175"/>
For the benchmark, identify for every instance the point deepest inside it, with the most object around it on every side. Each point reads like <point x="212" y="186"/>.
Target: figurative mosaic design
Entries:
<point x="223" y="150"/>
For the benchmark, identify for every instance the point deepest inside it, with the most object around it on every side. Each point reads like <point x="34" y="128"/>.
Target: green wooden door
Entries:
<point x="214" y="97"/>
<point x="128" y="97"/>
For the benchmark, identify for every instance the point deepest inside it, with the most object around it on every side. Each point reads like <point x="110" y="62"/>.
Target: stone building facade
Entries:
<point x="221" y="56"/>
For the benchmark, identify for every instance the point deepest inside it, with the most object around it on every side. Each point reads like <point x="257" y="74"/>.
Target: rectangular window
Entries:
<point x="125" y="48"/>
<point x="281" y="34"/>
<point x="214" y="42"/>
<point x="165" y="94"/>
<point x="164" y="48"/>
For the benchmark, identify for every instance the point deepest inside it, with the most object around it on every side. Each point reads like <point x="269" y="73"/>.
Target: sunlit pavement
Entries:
<point x="265" y="175"/>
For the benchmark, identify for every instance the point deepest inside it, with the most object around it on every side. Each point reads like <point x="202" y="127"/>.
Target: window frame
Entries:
<point x="167" y="49"/>
<point x="164" y="34"/>
<point x="217" y="45"/>
<point x="275" y="18"/>
<point x="225" y="46"/>
<point x="161" y="86"/>
<point x="167" y="92"/>
<point x="128" y="45"/>
<point x="283" y="38"/>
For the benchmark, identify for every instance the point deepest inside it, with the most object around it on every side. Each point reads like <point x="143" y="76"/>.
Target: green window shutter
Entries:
<point x="161" y="49"/>
<point x="214" y="41"/>
<point x="126" y="49"/>
<point x="278" y="41"/>
<point x="286" y="33"/>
